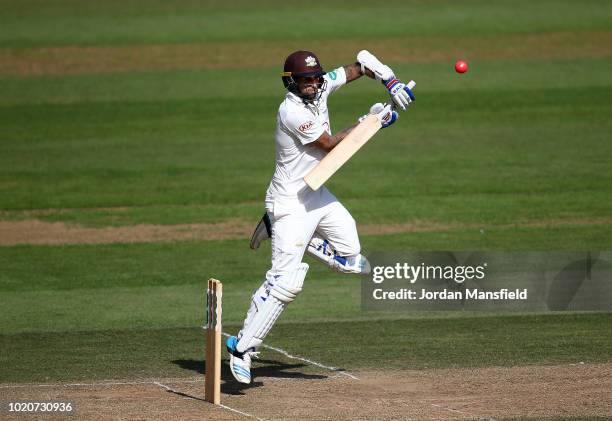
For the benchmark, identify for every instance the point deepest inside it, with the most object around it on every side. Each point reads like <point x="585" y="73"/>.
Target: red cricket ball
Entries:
<point x="461" y="66"/>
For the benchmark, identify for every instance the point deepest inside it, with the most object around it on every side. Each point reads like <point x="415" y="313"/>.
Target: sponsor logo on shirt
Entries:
<point x="304" y="127"/>
<point x="332" y="75"/>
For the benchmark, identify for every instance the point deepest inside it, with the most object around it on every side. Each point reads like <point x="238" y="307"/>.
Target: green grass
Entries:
<point x="359" y="345"/>
<point x="79" y="312"/>
<point x="161" y="285"/>
<point x="523" y="145"/>
<point x="513" y="155"/>
<point x="35" y="23"/>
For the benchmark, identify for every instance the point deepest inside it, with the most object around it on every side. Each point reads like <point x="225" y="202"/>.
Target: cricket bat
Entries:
<point x="338" y="156"/>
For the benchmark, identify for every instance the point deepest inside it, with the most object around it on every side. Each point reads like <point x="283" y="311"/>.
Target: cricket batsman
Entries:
<point x="297" y="218"/>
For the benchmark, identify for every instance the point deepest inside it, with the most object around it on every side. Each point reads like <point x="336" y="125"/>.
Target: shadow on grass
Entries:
<point x="262" y="368"/>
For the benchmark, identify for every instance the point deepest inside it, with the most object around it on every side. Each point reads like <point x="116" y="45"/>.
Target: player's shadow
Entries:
<point x="262" y="368"/>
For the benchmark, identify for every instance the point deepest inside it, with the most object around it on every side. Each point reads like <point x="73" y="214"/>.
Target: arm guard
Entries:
<point x="369" y="61"/>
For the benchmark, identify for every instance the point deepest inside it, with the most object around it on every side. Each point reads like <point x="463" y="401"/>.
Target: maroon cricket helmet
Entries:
<point x="302" y="64"/>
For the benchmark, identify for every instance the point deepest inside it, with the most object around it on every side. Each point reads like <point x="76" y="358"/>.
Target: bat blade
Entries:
<point x="338" y="156"/>
<point x="345" y="149"/>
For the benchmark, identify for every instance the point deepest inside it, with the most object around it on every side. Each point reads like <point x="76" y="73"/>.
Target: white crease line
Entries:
<point x="306" y="360"/>
<point x="240" y="412"/>
<point x="73" y="384"/>
<point x="168" y="388"/>
<point x="450" y="409"/>
<point x="104" y="383"/>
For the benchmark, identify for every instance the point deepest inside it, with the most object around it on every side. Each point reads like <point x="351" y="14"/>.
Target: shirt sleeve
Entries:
<point x="335" y="79"/>
<point x="304" y="127"/>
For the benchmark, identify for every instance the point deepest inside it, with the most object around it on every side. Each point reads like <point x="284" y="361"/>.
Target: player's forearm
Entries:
<point x="353" y="71"/>
<point x="327" y="142"/>
<point x="338" y="137"/>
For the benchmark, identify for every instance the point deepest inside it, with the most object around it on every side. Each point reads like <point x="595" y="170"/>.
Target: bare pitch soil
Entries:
<point x="33" y="231"/>
<point x="72" y="60"/>
<point x="59" y="233"/>
<point x="442" y="394"/>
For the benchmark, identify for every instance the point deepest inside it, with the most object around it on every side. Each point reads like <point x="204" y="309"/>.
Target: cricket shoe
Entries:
<point x="240" y="362"/>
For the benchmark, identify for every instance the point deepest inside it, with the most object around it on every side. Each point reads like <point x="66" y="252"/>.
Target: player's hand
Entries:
<point x="384" y="112"/>
<point x="400" y="92"/>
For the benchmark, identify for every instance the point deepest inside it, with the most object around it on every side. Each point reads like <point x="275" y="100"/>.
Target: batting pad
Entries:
<point x="283" y="290"/>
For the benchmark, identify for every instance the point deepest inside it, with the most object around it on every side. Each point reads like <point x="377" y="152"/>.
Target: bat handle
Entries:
<point x="411" y="84"/>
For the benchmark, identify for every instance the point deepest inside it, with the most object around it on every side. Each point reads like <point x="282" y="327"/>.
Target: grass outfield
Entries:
<point x="487" y="155"/>
<point x="391" y="344"/>
<point x="119" y="113"/>
<point x="36" y="22"/>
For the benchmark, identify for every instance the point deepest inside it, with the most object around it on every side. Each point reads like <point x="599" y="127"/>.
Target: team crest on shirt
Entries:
<point x="304" y="127"/>
<point x="310" y="61"/>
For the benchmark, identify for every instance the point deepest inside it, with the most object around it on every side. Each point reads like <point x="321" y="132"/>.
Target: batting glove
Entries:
<point x="385" y="113"/>
<point x="400" y="92"/>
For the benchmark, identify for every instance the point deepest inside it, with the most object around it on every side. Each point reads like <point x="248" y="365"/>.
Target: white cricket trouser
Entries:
<point x="294" y="221"/>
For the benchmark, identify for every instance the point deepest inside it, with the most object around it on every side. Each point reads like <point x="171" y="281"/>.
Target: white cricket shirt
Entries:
<point x="297" y="125"/>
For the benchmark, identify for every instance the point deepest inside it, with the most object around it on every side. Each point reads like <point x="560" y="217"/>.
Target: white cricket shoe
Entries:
<point x="240" y="362"/>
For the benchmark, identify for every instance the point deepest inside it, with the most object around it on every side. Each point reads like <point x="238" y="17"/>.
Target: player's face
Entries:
<point x="308" y="85"/>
